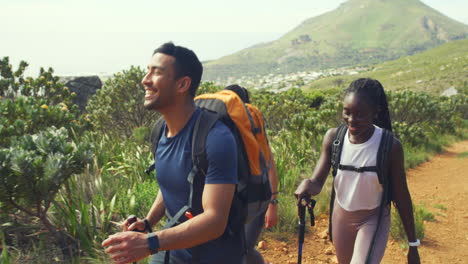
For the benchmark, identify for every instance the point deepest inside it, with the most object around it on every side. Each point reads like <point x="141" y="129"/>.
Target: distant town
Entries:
<point x="283" y="82"/>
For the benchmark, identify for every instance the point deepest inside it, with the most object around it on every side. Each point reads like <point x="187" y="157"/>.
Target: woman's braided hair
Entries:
<point x="373" y="92"/>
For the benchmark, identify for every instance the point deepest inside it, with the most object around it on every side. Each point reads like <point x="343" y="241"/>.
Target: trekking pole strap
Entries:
<point x="310" y="208"/>
<point x="150" y="169"/>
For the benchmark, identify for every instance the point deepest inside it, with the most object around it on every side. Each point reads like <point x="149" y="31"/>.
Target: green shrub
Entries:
<point x="41" y="146"/>
<point x="138" y="200"/>
<point x="117" y="108"/>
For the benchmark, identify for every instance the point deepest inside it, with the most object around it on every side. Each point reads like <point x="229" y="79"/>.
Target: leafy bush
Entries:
<point x="117" y="108"/>
<point x="40" y="144"/>
<point x="278" y="108"/>
<point x="418" y="116"/>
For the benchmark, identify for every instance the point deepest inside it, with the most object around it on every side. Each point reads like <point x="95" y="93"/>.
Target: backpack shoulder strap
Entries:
<point x="383" y="155"/>
<point x="155" y="136"/>
<point x="196" y="177"/>
<point x="201" y="129"/>
<point x="383" y="169"/>
<point x="383" y="160"/>
<point x="156" y="133"/>
<point x="337" y="147"/>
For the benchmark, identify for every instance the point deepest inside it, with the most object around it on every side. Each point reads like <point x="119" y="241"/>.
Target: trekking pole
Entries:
<point x="130" y="220"/>
<point x="301" y="209"/>
<point x="310" y="204"/>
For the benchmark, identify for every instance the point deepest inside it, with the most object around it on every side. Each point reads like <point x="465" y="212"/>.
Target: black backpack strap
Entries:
<point x="359" y="169"/>
<point x="337" y="147"/>
<point x="196" y="177"/>
<point x="383" y="170"/>
<point x="155" y="136"/>
<point x="204" y="124"/>
<point x="255" y="130"/>
<point x="383" y="155"/>
<point x="202" y="127"/>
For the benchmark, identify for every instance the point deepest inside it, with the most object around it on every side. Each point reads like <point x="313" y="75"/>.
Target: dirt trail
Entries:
<point x="440" y="185"/>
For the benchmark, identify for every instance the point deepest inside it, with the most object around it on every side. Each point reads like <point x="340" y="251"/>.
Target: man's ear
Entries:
<point x="184" y="84"/>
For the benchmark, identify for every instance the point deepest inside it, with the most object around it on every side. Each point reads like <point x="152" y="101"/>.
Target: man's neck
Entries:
<point x="177" y="117"/>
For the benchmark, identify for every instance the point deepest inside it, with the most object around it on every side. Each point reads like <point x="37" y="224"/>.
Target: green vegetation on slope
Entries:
<point x="431" y="71"/>
<point x="359" y="32"/>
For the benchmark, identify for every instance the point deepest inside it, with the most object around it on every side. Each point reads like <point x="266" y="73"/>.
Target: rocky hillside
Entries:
<point x="358" y="32"/>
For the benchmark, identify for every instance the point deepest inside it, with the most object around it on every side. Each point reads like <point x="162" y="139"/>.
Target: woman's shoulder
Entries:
<point x="397" y="146"/>
<point x="330" y="135"/>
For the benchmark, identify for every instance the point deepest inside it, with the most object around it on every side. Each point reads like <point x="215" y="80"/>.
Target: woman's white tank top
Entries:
<point x="359" y="190"/>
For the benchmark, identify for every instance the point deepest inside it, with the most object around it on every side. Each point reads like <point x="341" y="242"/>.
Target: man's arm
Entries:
<point x="125" y="247"/>
<point x="209" y="225"/>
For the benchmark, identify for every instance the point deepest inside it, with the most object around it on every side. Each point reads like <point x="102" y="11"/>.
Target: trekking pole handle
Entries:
<point x="130" y="220"/>
<point x="301" y="207"/>
<point x="310" y="208"/>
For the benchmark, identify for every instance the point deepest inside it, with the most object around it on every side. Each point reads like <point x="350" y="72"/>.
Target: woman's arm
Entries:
<point x="402" y="197"/>
<point x="313" y="186"/>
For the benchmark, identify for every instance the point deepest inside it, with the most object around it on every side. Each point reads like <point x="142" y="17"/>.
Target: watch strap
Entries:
<point x="153" y="243"/>
<point x="147" y="226"/>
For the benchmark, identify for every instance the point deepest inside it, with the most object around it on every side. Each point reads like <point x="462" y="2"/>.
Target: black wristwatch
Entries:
<point x="274" y="201"/>
<point x="147" y="226"/>
<point x="153" y="243"/>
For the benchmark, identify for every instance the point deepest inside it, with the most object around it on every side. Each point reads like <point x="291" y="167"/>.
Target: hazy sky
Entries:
<point x="106" y="36"/>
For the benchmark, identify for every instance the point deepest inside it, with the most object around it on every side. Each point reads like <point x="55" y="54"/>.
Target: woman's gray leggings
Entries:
<point x="352" y="233"/>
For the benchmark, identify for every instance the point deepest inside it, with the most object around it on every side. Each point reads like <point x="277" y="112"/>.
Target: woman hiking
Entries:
<point x="360" y="205"/>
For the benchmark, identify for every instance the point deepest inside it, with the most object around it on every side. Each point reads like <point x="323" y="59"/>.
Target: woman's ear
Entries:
<point x="377" y="112"/>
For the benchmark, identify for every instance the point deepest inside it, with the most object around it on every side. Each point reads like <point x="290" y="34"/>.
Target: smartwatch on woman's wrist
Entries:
<point x="417" y="243"/>
<point x="274" y="201"/>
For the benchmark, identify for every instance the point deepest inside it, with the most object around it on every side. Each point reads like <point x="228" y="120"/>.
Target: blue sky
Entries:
<point x="106" y="36"/>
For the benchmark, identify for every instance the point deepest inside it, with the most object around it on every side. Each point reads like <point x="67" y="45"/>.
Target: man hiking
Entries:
<point x="174" y="74"/>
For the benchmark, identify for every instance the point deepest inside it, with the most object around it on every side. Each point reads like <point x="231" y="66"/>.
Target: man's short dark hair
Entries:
<point x="186" y="63"/>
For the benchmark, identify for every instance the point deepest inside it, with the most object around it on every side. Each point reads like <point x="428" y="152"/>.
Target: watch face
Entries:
<point x="274" y="201"/>
<point x="153" y="243"/>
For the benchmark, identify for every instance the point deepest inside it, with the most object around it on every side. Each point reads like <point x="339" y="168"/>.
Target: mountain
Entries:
<point x="434" y="71"/>
<point x="358" y="32"/>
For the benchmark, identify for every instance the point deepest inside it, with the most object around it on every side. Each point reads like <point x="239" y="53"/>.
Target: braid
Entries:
<point x="373" y="92"/>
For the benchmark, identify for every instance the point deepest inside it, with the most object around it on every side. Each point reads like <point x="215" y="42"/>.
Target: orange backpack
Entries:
<point x="253" y="191"/>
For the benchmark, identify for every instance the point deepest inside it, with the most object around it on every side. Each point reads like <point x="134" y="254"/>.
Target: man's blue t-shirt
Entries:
<point x="173" y="164"/>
